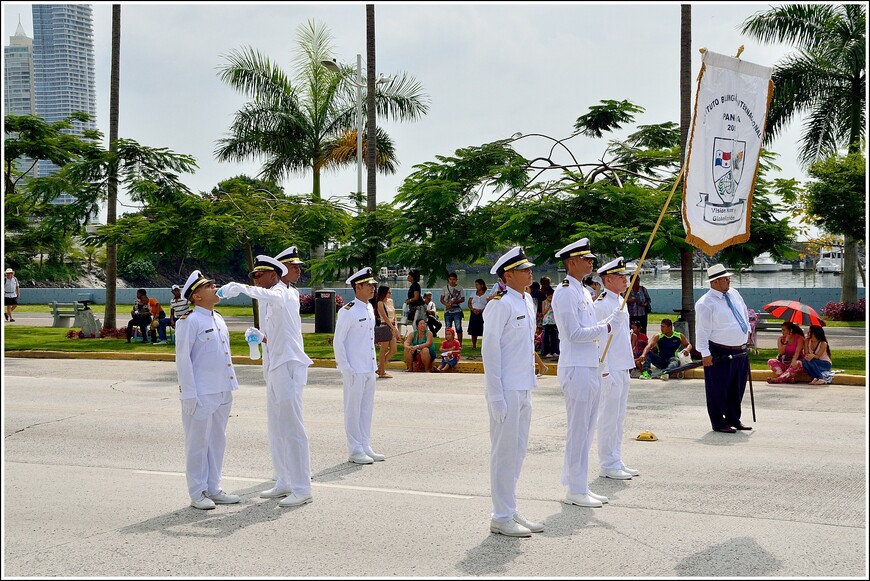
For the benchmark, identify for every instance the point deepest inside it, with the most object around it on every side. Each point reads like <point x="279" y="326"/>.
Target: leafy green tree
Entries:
<point x="826" y="79"/>
<point x="837" y="193"/>
<point x="297" y="124"/>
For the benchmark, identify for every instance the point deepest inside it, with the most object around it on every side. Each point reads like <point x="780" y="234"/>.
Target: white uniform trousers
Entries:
<point x="509" y="441"/>
<point x="359" y="403"/>
<point x="582" y="389"/>
<point x="288" y="440"/>
<point x="611" y="418"/>
<point x="205" y="440"/>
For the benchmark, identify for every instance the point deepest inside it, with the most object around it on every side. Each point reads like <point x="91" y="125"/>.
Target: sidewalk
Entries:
<point x="94" y="484"/>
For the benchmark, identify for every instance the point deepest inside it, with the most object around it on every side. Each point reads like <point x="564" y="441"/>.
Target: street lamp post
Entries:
<point x="358" y="83"/>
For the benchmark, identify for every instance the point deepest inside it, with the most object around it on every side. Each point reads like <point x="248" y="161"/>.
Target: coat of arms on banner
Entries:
<point x="728" y="161"/>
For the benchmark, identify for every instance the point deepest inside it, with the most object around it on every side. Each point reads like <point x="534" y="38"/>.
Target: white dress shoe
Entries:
<point x="599" y="497"/>
<point x="535" y="527"/>
<point x="375" y="456"/>
<point x="360" y="458"/>
<point x="275" y="492"/>
<point x="509" y="529"/>
<point x="631" y="471"/>
<point x="294" y="499"/>
<point x="582" y="500"/>
<point x="223" y="498"/>
<point x="202" y="503"/>
<point x="615" y="474"/>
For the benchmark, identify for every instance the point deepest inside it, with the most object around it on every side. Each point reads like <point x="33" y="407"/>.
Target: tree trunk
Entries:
<point x="849" y="294"/>
<point x="110" y="318"/>
<point x="686" y="274"/>
<point x="371" y="113"/>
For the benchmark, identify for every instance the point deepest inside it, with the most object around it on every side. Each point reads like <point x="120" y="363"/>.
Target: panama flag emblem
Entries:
<point x="728" y="155"/>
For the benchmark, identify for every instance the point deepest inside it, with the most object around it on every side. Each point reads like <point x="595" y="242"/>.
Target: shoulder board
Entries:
<point x="601" y="296"/>
<point x="349" y="305"/>
<point x="498" y="295"/>
<point x="187" y="314"/>
<point x="565" y="282"/>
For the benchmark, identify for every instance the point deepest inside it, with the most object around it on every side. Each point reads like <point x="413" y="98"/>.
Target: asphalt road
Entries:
<point x="94" y="484"/>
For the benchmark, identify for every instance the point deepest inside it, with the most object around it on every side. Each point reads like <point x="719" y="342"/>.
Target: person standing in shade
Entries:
<point x="579" y="369"/>
<point x="11" y="294"/>
<point x="509" y="375"/>
<point x="722" y="330"/>
<point x="354" y="346"/>
<point x="207" y="381"/>
<point x="476" y="303"/>
<point x="614" y="388"/>
<point x="285" y="370"/>
<point x="639" y="303"/>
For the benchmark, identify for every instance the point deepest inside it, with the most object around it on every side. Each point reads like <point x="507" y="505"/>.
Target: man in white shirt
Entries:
<point x="11" y="294"/>
<point x="579" y="370"/>
<point x="354" y="346"/>
<point x="614" y="388"/>
<point x="285" y="369"/>
<point x="509" y="374"/>
<point x="721" y="332"/>
<point x="431" y="313"/>
<point x="207" y="381"/>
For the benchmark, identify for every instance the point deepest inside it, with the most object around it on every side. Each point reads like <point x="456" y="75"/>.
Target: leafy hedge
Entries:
<point x="840" y="311"/>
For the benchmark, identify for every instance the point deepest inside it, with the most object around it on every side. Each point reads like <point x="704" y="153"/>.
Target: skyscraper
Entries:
<point x="63" y="64"/>
<point x="19" y="95"/>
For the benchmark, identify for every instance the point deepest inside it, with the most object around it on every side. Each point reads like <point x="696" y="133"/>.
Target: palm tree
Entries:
<point x="826" y="79"/>
<point x="302" y="123"/>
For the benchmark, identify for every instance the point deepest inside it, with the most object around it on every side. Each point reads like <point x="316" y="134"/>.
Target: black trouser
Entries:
<point x="434" y="324"/>
<point x="141" y="321"/>
<point x="724" y="384"/>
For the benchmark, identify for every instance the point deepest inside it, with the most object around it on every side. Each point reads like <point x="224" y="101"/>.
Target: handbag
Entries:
<point x="383" y="333"/>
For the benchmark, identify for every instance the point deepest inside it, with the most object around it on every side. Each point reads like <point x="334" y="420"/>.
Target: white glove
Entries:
<point x="498" y="410"/>
<point x="188" y="406"/>
<point x="254" y="335"/>
<point x="619" y="319"/>
<point x="230" y="290"/>
<point x="602" y="369"/>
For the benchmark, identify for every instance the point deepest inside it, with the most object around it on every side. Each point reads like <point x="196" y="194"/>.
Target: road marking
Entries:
<point x="324" y="485"/>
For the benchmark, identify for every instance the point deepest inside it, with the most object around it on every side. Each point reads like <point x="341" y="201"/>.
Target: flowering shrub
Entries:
<point x="104" y="332"/>
<point x="306" y="303"/>
<point x="840" y="311"/>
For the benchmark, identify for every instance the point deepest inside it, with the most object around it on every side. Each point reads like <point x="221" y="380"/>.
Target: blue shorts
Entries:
<point x="449" y="362"/>
<point x="453" y="320"/>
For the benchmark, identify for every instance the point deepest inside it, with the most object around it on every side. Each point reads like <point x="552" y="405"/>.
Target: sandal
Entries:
<point x="384" y="375"/>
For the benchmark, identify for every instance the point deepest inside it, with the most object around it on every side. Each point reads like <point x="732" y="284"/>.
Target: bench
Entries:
<point x="766" y="322"/>
<point x="64" y="313"/>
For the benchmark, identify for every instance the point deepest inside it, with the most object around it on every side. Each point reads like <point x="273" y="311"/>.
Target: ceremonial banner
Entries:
<point x="731" y="106"/>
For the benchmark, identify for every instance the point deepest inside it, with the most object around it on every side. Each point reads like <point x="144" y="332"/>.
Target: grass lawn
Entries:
<point x="51" y="339"/>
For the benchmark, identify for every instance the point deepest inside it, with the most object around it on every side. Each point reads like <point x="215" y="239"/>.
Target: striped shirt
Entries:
<point x="180" y="306"/>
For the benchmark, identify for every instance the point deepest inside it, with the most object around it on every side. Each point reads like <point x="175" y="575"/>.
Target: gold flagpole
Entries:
<point x="645" y="250"/>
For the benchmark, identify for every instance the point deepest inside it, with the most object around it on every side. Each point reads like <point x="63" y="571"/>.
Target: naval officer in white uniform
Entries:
<point x="579" y="370"/>
<point x="207" y="381"/>
<point x="508" y="352"/>
<point x="614" y="387"/>
<point x="354" y="346"/>
<point x="285" y="369"/>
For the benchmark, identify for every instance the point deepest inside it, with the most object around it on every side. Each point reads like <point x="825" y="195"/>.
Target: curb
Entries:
<point x="758" y="375"/>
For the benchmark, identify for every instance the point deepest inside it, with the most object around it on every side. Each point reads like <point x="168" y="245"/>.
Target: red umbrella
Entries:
<point x="794" y="311"/>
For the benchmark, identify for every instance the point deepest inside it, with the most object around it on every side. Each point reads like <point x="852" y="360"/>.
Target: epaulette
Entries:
<point x="498" y="295"/>
<point x="349" y="305"/>
<point x="565" y="282"/>
<point x="601" y="296"/>
<point x="185" y="315"/>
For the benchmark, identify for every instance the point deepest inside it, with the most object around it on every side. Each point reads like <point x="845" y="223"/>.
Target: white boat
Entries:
<point x="764" y="263"/>
<point x="831" y="261"/>
<point x="632" y="267"/>
<point x="658" y="266"/>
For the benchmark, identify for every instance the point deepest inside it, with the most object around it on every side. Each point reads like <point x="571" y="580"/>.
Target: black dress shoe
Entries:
<point x="740" y="426"/>
<point x="727" y="430"/>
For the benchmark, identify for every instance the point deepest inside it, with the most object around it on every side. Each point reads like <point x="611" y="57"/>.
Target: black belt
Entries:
<point x="729" y="347"/>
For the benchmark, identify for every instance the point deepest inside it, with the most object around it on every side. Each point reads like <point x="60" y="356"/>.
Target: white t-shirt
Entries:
<point x="10" y="287"/>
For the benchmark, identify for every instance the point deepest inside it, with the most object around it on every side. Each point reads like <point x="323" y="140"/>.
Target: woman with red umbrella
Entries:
<point x="790" y="350"/>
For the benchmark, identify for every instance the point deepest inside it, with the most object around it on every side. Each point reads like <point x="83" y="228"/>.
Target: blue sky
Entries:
<point x="490" y="69"/>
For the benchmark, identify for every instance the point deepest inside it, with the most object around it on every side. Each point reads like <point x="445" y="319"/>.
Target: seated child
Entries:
<point x="450" y="349"/>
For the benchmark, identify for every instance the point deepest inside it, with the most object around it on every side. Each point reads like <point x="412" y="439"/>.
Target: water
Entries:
<point x="672" y="279"/>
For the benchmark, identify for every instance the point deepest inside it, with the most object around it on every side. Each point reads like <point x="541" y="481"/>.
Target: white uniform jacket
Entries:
<point x="509" y="351"/>
<point x="282" y="325"/>
<point x="354" y="340"/>
<point x="619" y="355"/>
<point x="202" y="354"/>
<point x="579" y="331"/>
